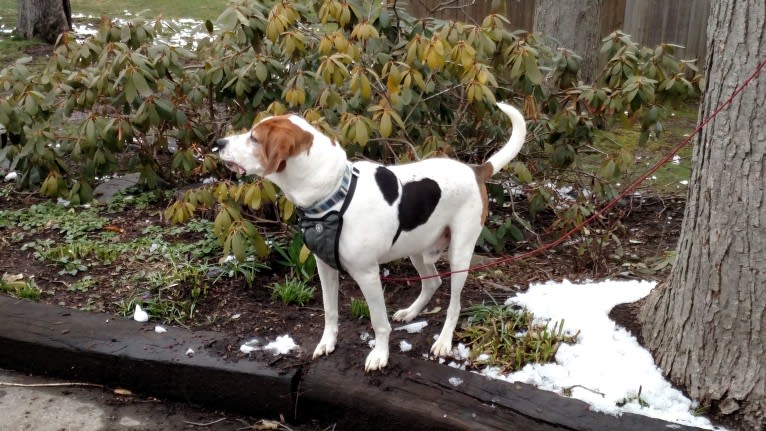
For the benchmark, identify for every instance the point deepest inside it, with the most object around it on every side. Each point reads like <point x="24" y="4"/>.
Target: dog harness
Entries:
<point x="320" y="227"/>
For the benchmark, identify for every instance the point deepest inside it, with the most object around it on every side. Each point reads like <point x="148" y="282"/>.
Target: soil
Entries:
<point x="646" y="229"/>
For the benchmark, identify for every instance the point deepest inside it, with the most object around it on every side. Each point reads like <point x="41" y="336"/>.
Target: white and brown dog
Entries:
<point x="417" y="209"/>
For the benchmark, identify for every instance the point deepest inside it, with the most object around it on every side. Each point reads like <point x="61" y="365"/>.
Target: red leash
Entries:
<point x="630" y="188"/>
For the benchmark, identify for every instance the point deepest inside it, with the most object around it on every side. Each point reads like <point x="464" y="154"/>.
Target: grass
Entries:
<point x="359" y="309"/>
<point x="668" y="179"/>
<point x="197" y="9"/>
<point x="19" y="286"/>
<point x="292" y="291"/>
<point x="510" y="338"/>
<point x="12" y="48"/>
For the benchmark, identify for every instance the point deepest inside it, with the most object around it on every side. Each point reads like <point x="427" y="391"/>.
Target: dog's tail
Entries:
<point x="511" y="148"/>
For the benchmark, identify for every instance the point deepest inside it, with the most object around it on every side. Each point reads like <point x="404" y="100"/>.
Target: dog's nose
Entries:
<point x="220" y="144"/>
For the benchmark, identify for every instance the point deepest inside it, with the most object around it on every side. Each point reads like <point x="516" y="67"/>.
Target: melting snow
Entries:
<point x="413" y="327"/>
<point x="606" y="366"/>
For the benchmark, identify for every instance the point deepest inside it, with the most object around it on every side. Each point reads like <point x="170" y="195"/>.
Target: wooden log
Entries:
<point x="409" y="394"/>
<point x="418" y="394"/>
<point x="117" y="352"/>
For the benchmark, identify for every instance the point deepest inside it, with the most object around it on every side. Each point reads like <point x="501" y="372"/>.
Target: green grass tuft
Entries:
<point x="292" y="291"/>
<point x="359" y="309"/>
<point x="510" y="338"/>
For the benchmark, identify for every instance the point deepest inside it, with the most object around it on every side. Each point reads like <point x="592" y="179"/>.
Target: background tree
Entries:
<point x="572" y="24"/>
<point x="45" y="19"/>
<point x="707" y="325"/>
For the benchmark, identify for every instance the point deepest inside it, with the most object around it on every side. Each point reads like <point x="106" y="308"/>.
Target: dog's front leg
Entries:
<point x="328" y="277"/>
<point x="372" y="289"/>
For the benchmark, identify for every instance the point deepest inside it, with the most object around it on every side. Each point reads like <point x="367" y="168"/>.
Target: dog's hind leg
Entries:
<point x="328" y="276"/>
<point x="427" y="289"/>
<point x="460" y="253"/>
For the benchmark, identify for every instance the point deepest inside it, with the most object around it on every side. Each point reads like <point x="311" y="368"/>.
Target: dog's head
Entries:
<point x="266" y="148"/>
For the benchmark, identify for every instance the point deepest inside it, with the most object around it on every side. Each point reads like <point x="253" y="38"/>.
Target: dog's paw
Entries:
<point x="441" y="347"/>
<point x="405" y="315"/>
<point x="325" y="347"/>
<point x="377" y="359"/>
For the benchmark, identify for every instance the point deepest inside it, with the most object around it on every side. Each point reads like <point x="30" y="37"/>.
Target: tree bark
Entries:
<point x="575" y="25"/>
<point x="706" y="326"/>
<point x="45" y="19"/>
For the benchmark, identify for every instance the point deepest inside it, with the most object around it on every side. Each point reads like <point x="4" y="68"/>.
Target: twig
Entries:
<point x="207" y="424"/>
<point x="569" y="390"/>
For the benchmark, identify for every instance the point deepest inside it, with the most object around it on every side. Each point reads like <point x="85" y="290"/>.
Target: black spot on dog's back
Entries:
<point x="419" y="200"/>
<point x="388" y="184"/>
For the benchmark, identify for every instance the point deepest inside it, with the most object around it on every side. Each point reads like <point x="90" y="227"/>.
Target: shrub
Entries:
<point x="393" y="87"/>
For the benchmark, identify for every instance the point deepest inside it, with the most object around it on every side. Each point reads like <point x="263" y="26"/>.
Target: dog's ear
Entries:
<point x="280" y="139"/>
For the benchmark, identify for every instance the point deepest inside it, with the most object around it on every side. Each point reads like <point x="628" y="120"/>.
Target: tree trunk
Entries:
<point x="575" y="25"/>
<point x="45" y="19"/>
<point x="706" y="327"/>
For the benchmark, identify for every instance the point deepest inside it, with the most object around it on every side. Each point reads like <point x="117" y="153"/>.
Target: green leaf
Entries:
<point x="261" y="72"/>
<point x="130" y="90"/>
<point x="90" y="132"/>
<point x="532" y="70"/>
<point x="141" y="85"/>
<point x="514" y="231"/>
<point x="228" y="18"/>
<point x="385" y="125"/>
<point x="253" y="196"/>
<point x="239" y="246"/>
<point x="268" y="191"/>
<point x="522" y="173"/>
<point x="261" y="248"/>
<point x="287" y="209"/>
<point x="608" y="170"/>
<point x="164" y="108"/>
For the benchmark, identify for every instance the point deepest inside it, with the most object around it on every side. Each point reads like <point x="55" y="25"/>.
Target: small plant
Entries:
<point x="231" y="267"/>
<point x="297" y="257"/>
<point x="630" y="398"/>
<point x="75" y="256"/>
<point x="160" y="306"/>
<point x="19" y="287"/>
<point x="359" y="309"/>
<point x="292" y="291"/>
<point x="123" y="200"/>
<point x="83" y="285"/>
<point x="499" y="238"/>
<point x="71" y="223"/>
<point x="509" y="336"/>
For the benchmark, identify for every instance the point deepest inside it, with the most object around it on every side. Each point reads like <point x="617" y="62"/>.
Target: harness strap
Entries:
<point x="346" y="202"/>
<point x="321" y="230"/>
<point x="337" y="196"/>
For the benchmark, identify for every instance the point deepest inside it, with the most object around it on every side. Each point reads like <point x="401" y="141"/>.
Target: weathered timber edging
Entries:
<point x="95" y="347"/>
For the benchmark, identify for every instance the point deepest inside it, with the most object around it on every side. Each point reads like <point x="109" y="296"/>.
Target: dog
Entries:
<point x="416" y="210"/>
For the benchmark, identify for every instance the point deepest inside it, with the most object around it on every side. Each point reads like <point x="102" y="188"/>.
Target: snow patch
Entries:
<point x="413" y="327"/>
<point x="606" y="366"/>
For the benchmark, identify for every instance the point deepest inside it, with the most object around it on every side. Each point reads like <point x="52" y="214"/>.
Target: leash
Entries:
<point x="629" y="189"/>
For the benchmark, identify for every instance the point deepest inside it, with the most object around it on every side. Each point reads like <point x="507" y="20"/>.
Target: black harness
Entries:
<point x="322" y="233"/>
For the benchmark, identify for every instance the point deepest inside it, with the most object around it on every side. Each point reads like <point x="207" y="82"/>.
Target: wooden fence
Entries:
<point x="649" y="22"/>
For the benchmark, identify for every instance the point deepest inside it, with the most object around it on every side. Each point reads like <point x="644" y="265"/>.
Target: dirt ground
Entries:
<point x="646" y="229"/>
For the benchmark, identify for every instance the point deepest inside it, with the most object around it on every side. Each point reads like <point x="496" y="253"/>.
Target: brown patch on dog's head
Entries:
<point x="279" y="139"/>
<point x="483" y="173"/>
